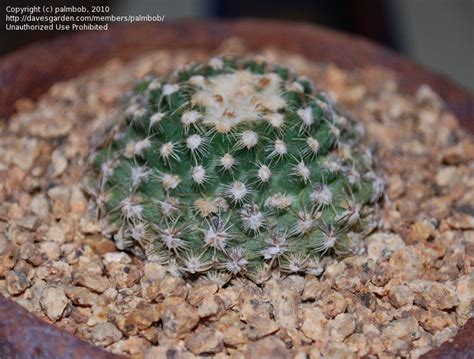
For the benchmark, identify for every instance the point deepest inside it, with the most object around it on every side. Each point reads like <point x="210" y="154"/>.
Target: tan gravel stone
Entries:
<point x="401" y="295"/>
<point x="230" y="296"/>
<point x="235" y="335"/>
<point x="407" y="328"/>
<point x="99" y="244"/>
<point x="40" y="205"/>
<point x="396" y="186"/>
<point x="77" y="201"/>
<point x="109" y="295"/>
<point x="419" y="231"/>
<point x="375" y="343"/>
<point x="59" y="197"/>
<point x="177" y="317"/>
<point x="431" y="294"/>
<point x="54" y="302"/>
<point x="123" y="323"/>
<point x="172" y="286"/>
<point x="56" y="234"/>
<point x="18" y="236"/>
<point x="205" y="341"/>
<point x="27" y="250"/>
<point x="283" y="298"/>
<point x="124" y="275"/>
<point x="408" y="263"/>
<point x="82" y="296"/>
<point x="446" y="176"/>
<point x="337" y="350"/>
<point x="166" y="351"/>
<point x="151" y="334"/>
<point x="252" y="306"/>
<point x="105" y="334"/>
<point x="153" y="271"/>
<point x="144" y="315"/>
<point x="132" y="346"/>
<point x="150" y="289"/>
<point x="268" y="347"/>
<point x="92" y="281"/>
<point x="3" y="243"/>
<point x="16" y="282"/>
<point x="465" y="293"/>
<point x="211" y="305"/>
<point x="357" y="343"/>
<point x="342" y="326"/>
<point x="434" y="320"/>
<point x="80" y="314"/>
<point x="58" y="164"/>
<point x="25" y="268"/>
<point x="30" y="222"/>
<point x="259" y="327"/>
<point x="315" y="289"/>
<point x="333" y="304"/>
<point x="89" y="225"/>
<point x="15" y="212"/>
<point x="116" y="257"/>
<point x="14" y="179"/>
<point x="444" y="335"/>
<point x="334" y="270"/>
<point x="99" y="315"/>
<point x="380" y="246"/>
<point x="198" y="293"/>
<point x="314" y="322"/>
<point x="461" y="221"/>
<point x="51" y="250"/>
<point x="27" y="152"/>
<point x="8" y="258"/>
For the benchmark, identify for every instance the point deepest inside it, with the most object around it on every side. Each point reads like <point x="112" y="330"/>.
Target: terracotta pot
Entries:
<point x="29" y="72"/>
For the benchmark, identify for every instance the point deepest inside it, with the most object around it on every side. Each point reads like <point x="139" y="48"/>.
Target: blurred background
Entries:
<point x="436" y="33"/>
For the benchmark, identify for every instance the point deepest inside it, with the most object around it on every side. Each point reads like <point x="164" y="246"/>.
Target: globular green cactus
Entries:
<point x="235" y="166"/>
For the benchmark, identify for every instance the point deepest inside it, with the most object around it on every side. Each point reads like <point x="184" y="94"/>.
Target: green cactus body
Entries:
<point x="236" y="166"/>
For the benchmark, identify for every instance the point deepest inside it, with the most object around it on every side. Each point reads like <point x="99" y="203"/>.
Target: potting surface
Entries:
<point x="408" y="288"/>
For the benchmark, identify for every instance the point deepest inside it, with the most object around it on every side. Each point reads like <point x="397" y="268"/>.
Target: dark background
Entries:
<point x="436" y="33"/>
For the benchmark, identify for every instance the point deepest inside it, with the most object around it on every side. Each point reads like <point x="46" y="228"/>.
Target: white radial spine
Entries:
<point x="107" y="169"/>
<point x="321" y="195"/>
<point x="264" y="174"/>
<point x="307" y="118"/>
<point x="252" y="218"/>
<point x="130" y="210"/>
<point x="312" y="147"/>
<point x="237" y="191"/>
<point x="276" y="121"/>
<point x="139" y="175"/>
<point x="170" y="181"/>
<point x="236" y="261"/>
<point x="168" y="151"/>
<point x="155" y="119"/>
<point x="189" y="118"/>
<point x="278" y="150"/>
<point x="197" y="145"/>
<point x="169" y="89"/>
<point x="248" y="139"/>
<point x="199" y="175"/>
<point x="302" y="171"/>
<point x="227" y="162"/>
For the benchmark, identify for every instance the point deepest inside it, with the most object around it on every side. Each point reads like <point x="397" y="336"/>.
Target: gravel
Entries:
<point x="409" y="288"/>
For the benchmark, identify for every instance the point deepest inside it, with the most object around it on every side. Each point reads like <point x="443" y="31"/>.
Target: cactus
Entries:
<point x="234" y="167"/>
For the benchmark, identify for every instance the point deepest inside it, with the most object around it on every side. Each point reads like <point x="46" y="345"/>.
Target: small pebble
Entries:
<point x="54" y="302"/>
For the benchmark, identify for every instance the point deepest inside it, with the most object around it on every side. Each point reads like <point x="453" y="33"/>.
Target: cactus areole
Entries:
<point x="234" y="166"/>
